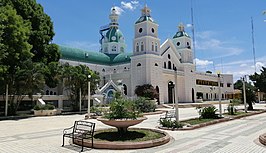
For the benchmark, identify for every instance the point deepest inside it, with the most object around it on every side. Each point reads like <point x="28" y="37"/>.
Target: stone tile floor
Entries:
<point x="44" y="135"/>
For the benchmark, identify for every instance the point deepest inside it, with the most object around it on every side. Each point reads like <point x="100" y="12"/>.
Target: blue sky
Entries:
<point x="222" y="27"/>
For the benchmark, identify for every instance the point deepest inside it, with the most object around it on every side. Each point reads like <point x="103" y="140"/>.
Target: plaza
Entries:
<point x="44" y="134"/>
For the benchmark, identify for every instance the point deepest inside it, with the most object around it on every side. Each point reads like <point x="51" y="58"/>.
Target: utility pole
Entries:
<point x="220" y="102"/>
<point x="244" y="92"/>
<point x="176" y="97"/>
<point x="89" y="95"/>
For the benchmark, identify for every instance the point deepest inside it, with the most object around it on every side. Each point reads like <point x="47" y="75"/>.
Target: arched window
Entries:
<point x="169" y="56"/>
<point x="113" y="48"/>
<point x="137" y="47"/>
<point x="152" y="46"/>
<point x="104" y="80"/>
<point x="142" y="46"/>
<point x="156" y="64"/>
<point x="169" y="65"/>
<point x="125" y="89"/>
<point x="47" y="92"/>
<point x="103" y="70"/>
<point x="138" y="64"/>
<point x="51" y="92"/>
<point x="164" y="65"/>
<point x="156" y="47"/>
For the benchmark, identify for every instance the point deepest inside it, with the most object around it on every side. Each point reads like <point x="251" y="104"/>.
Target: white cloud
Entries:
<point x="132" y="5"/>
<point x="243" y="65"/>
<point x="90" y="46"/>
<point x="118" y="10"/>
<point x="203" y="62"/>
<point x="207" y="42"/>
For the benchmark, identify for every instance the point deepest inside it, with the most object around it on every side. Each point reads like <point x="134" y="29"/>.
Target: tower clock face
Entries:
<point x="140" y="30"/>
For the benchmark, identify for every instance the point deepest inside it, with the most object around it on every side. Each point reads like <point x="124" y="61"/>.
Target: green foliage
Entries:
<point x="170" y="124"/>
<point x="122" y="109"/>
<point x="146" y="90"/>
<point x="231" y="109"/>
<point x="207" y="112"/>
<point x="44" y="107"/>
<point x="76" y="78"/>
<point x="144" y="105"/>
<point x="259" y="80"/>
<point x="250" y="92"/>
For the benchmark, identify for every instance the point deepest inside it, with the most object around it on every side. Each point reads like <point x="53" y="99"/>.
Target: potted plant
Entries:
<point x="123" y="113"/>
<point x="44" y="110"/>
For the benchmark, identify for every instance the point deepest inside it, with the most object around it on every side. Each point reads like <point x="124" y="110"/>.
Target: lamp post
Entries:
<point x="6" y="100"/>
<point x="244" y="92"/>
<point x="89" y="95"/>
<point x="176" y="98"/>
<point x="219" y="85"/>
<point x="259" y="95"/>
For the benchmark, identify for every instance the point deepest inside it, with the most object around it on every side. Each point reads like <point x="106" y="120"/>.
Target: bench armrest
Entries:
<point x="68" y="130"/>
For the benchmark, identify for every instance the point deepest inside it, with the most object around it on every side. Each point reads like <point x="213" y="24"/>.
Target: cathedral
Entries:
<point x="168" y="65"/>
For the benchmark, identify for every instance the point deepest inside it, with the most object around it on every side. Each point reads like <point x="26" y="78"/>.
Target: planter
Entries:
<point x="45" y="112"/>
<point x="122" y="124"/>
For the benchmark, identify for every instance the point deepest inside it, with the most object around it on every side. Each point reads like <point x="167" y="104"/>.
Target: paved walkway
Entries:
<point x="44" y="135"/>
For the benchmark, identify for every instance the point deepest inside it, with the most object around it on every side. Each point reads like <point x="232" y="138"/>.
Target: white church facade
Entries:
<point x="162" y="64"/>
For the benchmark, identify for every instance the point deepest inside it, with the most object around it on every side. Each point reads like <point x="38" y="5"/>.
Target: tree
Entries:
<point x="146" y="90"/>
<point x="42" y="31"/>
<point x="250" y="94"/>
<point x="76" y="78"/>
<point x="259" y="80"/>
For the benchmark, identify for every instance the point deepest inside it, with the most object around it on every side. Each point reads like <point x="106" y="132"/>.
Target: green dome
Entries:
<point x="75" y="54"/>
<point x="114" y="35"/>
<point x="80" y="55"/>
<point x="122" y="58"/>
<point x="181" y="34"/>
<point x="145" y="18"/>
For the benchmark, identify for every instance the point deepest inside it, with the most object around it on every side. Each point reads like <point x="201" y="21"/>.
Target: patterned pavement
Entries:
<point x="44" y="135"/>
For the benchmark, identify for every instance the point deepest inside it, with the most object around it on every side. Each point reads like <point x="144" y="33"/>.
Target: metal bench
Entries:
<point x="79" y="131"/>
<point x="168" y="115"/>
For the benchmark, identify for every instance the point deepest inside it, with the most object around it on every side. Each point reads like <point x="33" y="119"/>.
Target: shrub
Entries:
<point x="170" y="124"/>
<point x="145" y="105"/>
<point x="122" y="109"/>
<point x="44" y="107"/>
<point x="208" y="112"/>
<point x="146" y="90"/>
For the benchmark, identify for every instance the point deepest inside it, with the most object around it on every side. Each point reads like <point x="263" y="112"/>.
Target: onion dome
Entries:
<point x="181" y="32"/>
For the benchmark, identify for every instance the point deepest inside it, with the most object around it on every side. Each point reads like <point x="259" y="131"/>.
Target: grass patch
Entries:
<point x="236" y="113"/>
<point x="197" y="121"/>
<point x="132" y="135"/>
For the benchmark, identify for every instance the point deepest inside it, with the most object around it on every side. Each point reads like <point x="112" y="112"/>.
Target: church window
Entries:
<point x="103" y="70"/>
<point x="156" y="47"/>
<point x="178" y="43"/>
<point x="121" y="49"/>
<point x="140" y="30"/>
<point x="152" y="30"/>
<point x="156" y="64"/>
<point x="152" y="46"/>
<point x="142" y="46"/>
<point x="51" y="92"/>
<point x="125" y="89"/>
<point x="188" y="43"/>
<point x="169" y="56"/>
<point x="169" y="65"/>
<point x="164" y="65"/>
<point x="137" y="47"/>
<point x="47" y="92"/>
<point x="138" y="64"/>
<point x="173" y="66"/>
<point x="113" y="48"/>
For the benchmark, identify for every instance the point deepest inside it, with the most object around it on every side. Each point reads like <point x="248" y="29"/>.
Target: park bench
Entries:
<point x="168" y="115"/>
<point x="79" y="131"/>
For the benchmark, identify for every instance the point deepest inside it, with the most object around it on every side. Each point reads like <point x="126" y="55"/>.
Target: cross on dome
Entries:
<point x="181" y="27"/>
<point x="146" y="11"/>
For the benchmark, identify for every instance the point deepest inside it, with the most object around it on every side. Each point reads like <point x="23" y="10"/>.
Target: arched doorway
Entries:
<point x="158" y="91"/>
<point x="171" y="86"/>
<point x="193" y="96"/>
<point x="125" y="89"/>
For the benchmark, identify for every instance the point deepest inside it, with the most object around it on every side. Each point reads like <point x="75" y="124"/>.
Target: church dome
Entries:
<point x="181" y="32"/>
<point x="144" y="18"/>
<point x="114" y="35"/>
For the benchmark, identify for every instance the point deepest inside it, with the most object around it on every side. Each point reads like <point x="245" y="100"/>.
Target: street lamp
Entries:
<point x="176" y="98"/>
<point x="89" y="95"/>
<point x="219" y="85"/>
<point x="244" y="91"/>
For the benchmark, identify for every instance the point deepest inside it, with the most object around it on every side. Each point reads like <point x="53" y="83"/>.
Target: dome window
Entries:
<point x="188" y="43"/>
<point x="138" y="64"/>
<point x="155" y="64"/>
<point x="152" y="30"/>
<point x="140" y="30"/>
<point x="178" y="43"/>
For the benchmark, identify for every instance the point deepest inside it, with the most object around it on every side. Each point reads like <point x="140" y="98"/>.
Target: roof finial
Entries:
<point x="181" y="27"/>
<point x="146" y="11"/>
